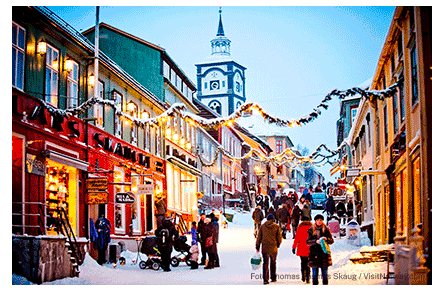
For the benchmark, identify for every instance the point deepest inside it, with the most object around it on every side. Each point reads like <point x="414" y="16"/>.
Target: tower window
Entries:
<point x="216" y="106"/>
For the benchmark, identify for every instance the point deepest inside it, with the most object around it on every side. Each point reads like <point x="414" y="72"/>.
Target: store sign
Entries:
<point x="34" y="165"/>
<point x="352" y="172"/>
<point x="127" y="197"/>
<point x="145" y="189"/>
<point x="97" y="197"/>
<point x="97" y="184"/>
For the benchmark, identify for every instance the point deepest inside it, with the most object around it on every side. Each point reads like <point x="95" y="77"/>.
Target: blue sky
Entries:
<point x="294" y="55"/>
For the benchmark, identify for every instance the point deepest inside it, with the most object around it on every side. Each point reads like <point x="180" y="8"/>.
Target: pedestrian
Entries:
<point x="257" y="216"/>
<point x="216" y="239"/>
<point x="160" y="209"/>
<point x="200" y="231"/>
<point x="208" y="238"/>
<point x="330" y="207"/>
<point x="273" y="193"/>
<point x="340" y="209"/>
<point x="306" y="210"/>
<point x="166" y="235"/>
<point x="194" y="250"/>
<point x="283" y="198"/>
<point x="283" y="218"/>
<point x="271" y="210"/>
<point x="303" y="249"/>
<point x="318" y="259"/>
<point x="266" y="204"/>
<point x="295" y="219"/>
<point x="309" y="196"/>
<point x="269" y="239"/>
<point x="103" y="238"/>
<point x="276" y="203"/>
<point x="350" y="209"/>
<point x="290" y="201"/>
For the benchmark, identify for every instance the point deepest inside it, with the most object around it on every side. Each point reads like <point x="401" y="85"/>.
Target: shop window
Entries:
<point x="18" y="55"/>
<point x="417" y="201"/>
<point x="72" y="83"/>
<point x="280" y="170"/>
<point x="398" y="198"/>
<point x="51" y="75"/>
<point x="119" y="208"/>
<point x="136" y="206"/>
<point x="61" y="189"/>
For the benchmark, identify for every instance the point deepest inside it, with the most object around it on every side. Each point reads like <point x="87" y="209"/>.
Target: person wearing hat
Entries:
<point x="303" y="248"/>
<point x="160" y="209"/>
<point x="269" y="239"/>
<point x="317" y="258"/>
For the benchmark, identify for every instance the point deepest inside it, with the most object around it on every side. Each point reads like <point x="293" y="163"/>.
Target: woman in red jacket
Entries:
<point x="302" y="248"/>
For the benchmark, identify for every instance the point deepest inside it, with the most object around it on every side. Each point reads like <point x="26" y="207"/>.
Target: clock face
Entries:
<point x="214" y="85"/>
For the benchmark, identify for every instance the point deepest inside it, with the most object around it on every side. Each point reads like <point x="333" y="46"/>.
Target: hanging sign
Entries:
<point x="145" y="189"/>
<point x="127" y="197"/>
<point x="352" y="172"/>
<point x="34" y="165"/>
<point x="100" y="197"/>
<point x="97" y="184"/>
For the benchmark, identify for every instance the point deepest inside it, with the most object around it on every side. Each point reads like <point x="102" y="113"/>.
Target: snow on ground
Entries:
<point x="236" y="247"/>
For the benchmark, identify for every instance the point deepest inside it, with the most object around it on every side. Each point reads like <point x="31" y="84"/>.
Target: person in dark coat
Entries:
<point x="303" y="248"/>
<point x="103" y="238"/>
<point x="330" y="207"/>
<point x="266" y="204"/>
<point x="258" y="217"/>
<point x="317" y="258"/>
<point x="200" y="231"/>
<point x="269" y="239"/>
<point x="306" y="211"/>
<point x="216" y="238"/>
<point x="208" y="237"/>
<point x="283" y="198"/>
<point x="259" y="201"/>
<point x="350" y="209"/>
<point x="295" y="219"/>
<point x="283" y="218"/>
<point x="160" y="209"/>
<point x="166" y="235"/>
<point x="276" y="203"/>
<point x="340" y="209"/>
<point x="272" y="211"/>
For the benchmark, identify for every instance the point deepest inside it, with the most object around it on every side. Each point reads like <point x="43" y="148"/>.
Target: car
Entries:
<point x="319" y="200"/>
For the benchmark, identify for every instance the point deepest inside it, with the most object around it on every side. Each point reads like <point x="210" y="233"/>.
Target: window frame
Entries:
<point x="50" y="67"/>
<point x="16" y="49"/>
<point x="71" y="81"/>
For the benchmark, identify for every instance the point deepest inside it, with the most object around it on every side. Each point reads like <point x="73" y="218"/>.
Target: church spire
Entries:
<point x="220" y="44"/>
<point x="220" y="28"/>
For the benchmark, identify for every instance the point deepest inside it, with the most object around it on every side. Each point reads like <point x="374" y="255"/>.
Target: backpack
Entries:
<point x="164" y="237"/>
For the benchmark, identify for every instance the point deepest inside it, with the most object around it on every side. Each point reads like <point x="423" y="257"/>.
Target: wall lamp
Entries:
<point x="69" y="65"/>
<point x="91" y="80"/>
<point x="42" y="47"/>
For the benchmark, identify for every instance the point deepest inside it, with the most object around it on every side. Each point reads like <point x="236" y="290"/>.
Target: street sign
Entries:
<point x="352" y="172"/>
<point x="97" y="184"/>
<point x="127" y="197"/>
<point x="145" y="189"/>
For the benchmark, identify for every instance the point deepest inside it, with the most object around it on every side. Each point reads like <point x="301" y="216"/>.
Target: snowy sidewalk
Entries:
<point x="236" y="247"/>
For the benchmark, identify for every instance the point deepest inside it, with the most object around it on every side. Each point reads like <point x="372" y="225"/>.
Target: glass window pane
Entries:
<point x="13" y="66"/>
<point x="21" y="38"/>
<point x="14" y="34"/>
<point x="20" y="71"/>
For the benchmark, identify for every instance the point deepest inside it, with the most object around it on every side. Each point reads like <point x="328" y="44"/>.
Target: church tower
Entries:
<point x="221" y="80"/>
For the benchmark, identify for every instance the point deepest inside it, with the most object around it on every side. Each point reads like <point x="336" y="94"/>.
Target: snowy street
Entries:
<point x="236" y="247"/>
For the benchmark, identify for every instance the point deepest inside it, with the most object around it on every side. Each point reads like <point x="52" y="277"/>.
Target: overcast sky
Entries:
<point x="294" y="55"/>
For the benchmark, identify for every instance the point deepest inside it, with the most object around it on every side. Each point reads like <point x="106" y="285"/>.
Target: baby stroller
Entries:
<point x="149" y="247"/>
<point x="183" y="248"/>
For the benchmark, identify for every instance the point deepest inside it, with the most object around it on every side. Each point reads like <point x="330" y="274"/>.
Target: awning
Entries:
<point x="66" y="160"/>
<point x="185" y="166"/>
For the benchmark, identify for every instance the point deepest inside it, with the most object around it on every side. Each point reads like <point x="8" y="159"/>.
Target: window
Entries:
<point x="378" y="136"/>
<point x="402" y="98"/>
<point x="216" y="106"/>
<point x="279" y="170"/>
<point x="133" y="111"/>
<point x="395" y="114"/>
<point x="392" y="63"/>
<point x="72" y="85"/>
<point x="18" y="55"/>
<point x="147" y="137"/>
<point x="279" y="146"/>
<point x="118" y="99"/>
<point x="158" y="142"/>
<point x="51" y="75"/>
<point x="136" y="206"/>
<point x="98" y="107"/>
<point x="353" y="115"/>
<point x="205" y="85"/>
<point x="119" y="208"/>
<point x="411" y="18"/>
<point x="400" y="46"/>
<point x="417" y="201"/>
<point x="414" y="85"/>
<point x="385" y="116"/>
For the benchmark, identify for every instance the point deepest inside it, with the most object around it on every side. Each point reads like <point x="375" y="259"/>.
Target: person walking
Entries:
<point x="103" y="238"/>
<point x="166" y="234"/>
<point x="303" y="248"/>
<point x="269" y="240"/>
<point x="330" y="207"/>
<point x="283" y="218"/>
<point x="160" y="209"/>
<point x="194" y="250"/>
<point x="350" y="209"/>
<point x="208" y="237"/>
<point x="266" y="204"/>
<point x="306" y="210"/>
<point x="216" y="238"/>
<point x="295" y="219"/>
<point x="341" y="210"/>
<point x="318" y="259"/>
<point x="276" y="203"/>
<point x="258" y="217"/>
<point x="200" y="231"/>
